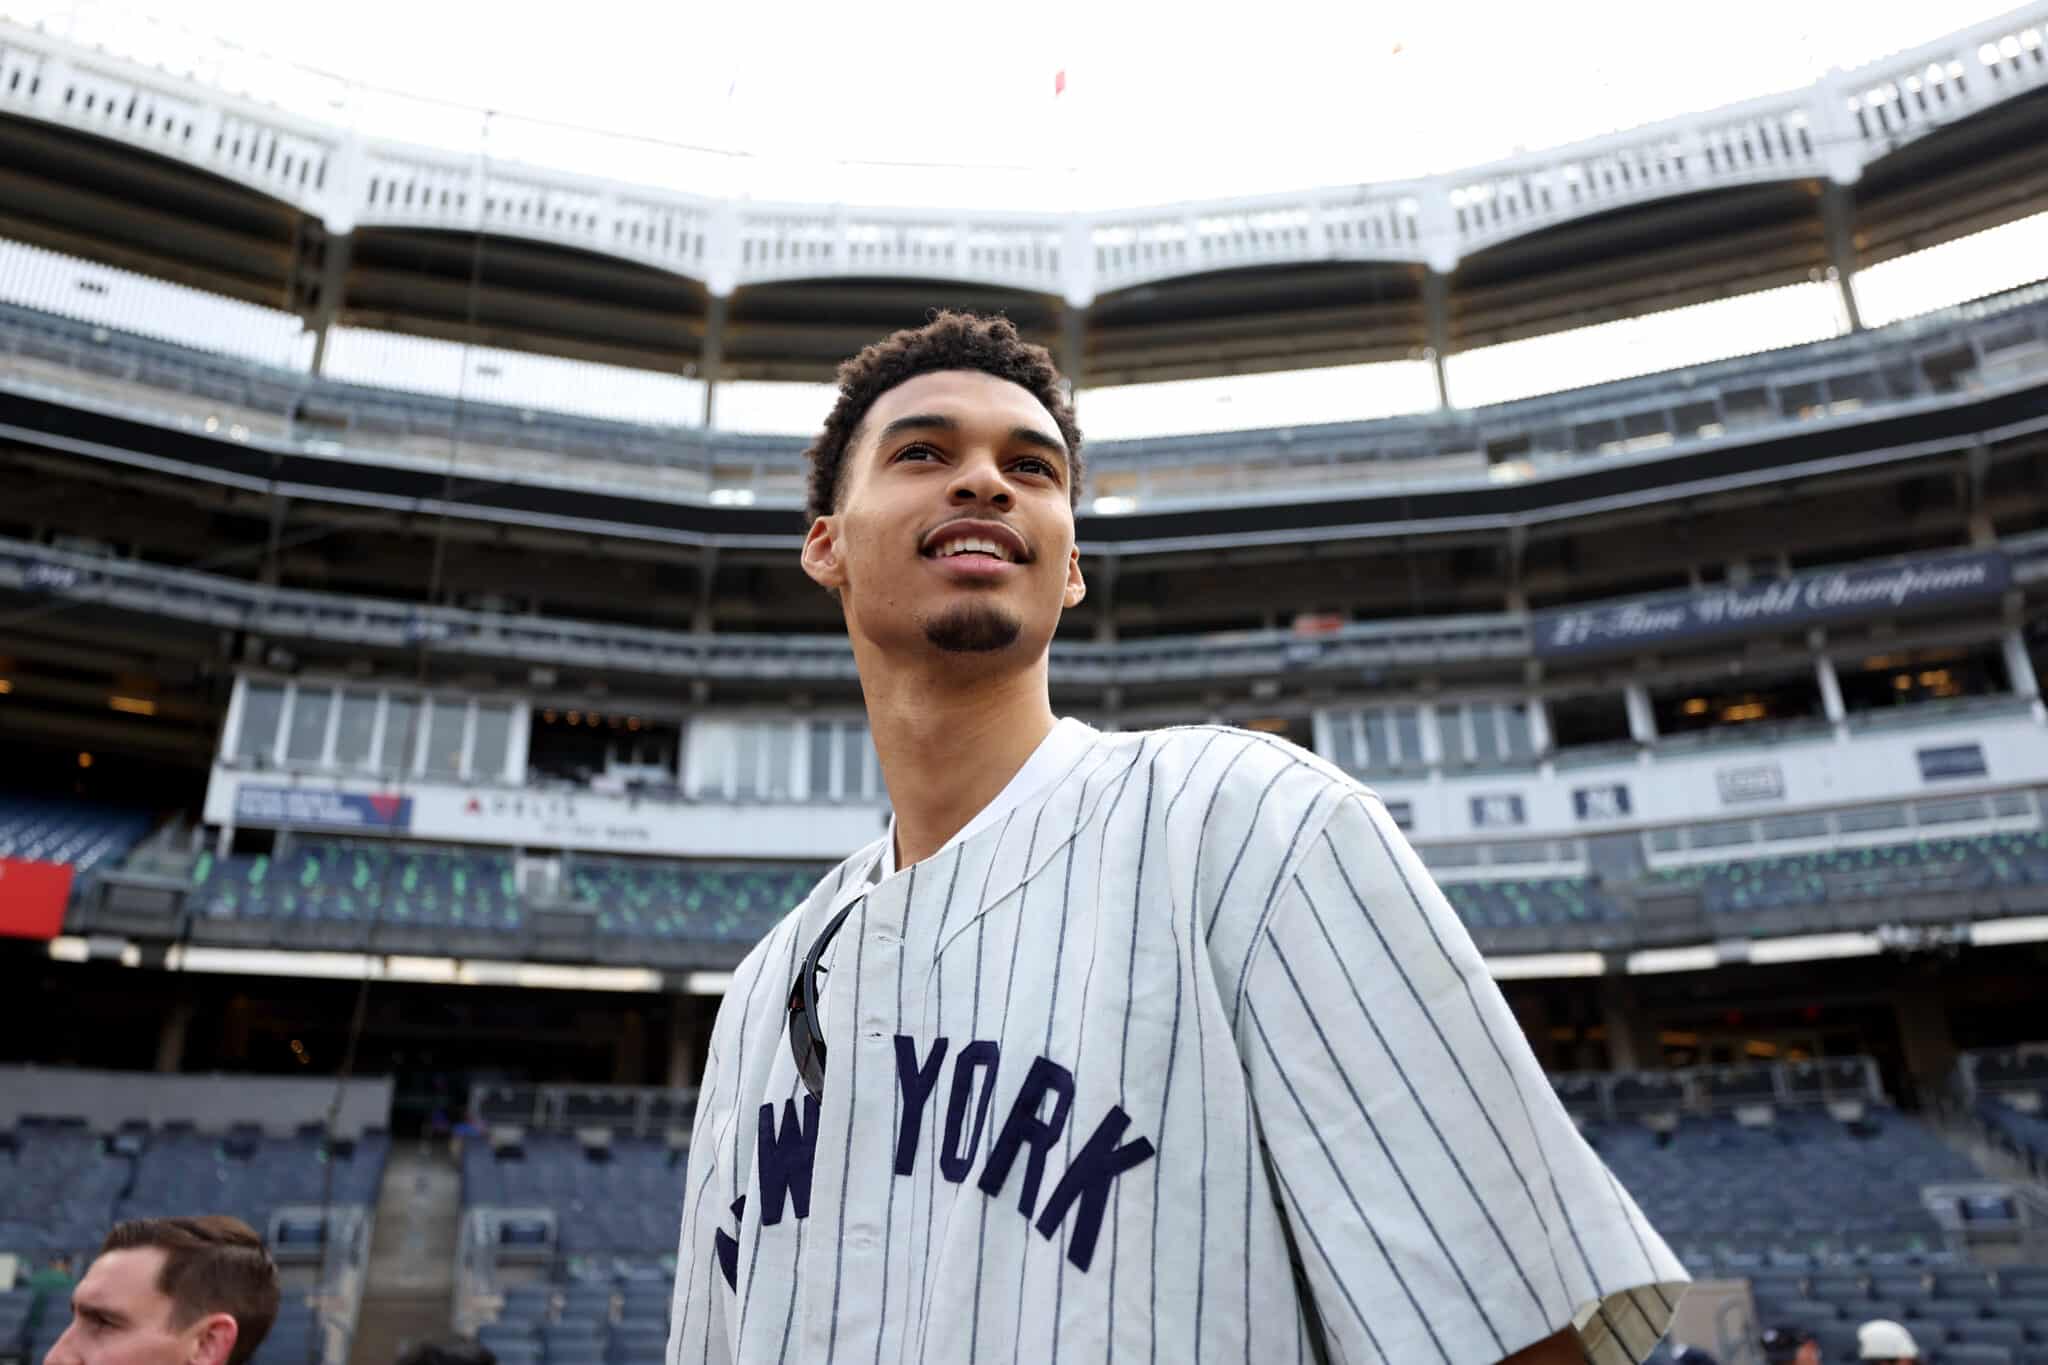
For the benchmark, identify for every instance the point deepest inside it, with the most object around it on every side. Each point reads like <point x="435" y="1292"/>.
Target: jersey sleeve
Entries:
<point x="1441" y="1202"/>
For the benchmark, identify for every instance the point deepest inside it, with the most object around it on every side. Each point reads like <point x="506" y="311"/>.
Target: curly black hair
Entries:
<point x="950" y="341"/>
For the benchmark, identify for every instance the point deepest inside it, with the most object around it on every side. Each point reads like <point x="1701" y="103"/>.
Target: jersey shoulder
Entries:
<point x="1244" y="774"/>
<point x="773" y="947"/>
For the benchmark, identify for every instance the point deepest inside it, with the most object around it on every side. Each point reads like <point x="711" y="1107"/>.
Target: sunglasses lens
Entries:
<point x="804" y="1048"/>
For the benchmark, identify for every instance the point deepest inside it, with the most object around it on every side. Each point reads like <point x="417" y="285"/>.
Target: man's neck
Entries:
<point x="949" y="747"/>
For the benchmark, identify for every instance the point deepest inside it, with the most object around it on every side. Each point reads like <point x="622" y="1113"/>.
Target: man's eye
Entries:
<point x="913" y="452"/>
<point x="1031" y="464"/>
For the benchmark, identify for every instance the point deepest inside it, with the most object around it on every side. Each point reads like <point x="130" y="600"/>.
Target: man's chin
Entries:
<point x="973" y="628"/>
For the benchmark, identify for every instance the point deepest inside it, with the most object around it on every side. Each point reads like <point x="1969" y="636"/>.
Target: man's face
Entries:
<point x="120" y="1317"/>
<point x="1809" y="1354"/>
<point x="955" y="529"/>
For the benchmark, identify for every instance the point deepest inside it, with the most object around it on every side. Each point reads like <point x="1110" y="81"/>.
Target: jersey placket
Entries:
<point x="857" y="1132"/>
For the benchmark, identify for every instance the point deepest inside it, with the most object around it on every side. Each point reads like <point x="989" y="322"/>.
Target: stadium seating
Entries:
<point x="728" y="901"/>
<point x="627" y="1202"/>
<point x="1970" y="1315"/>
<point x="53" y="830"/>
<point x="1813" y="879"/>
<point x="1804" y="1186"/>
<point x="62" y="1187"/>
<point x="1537" y="903"/>
<point x="356" y="883"/>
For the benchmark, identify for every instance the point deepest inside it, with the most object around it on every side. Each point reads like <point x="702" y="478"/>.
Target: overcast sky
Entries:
<point x="1162" y="102"/>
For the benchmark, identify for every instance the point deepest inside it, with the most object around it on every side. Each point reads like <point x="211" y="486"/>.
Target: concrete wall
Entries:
<point x="280" y="1104"/>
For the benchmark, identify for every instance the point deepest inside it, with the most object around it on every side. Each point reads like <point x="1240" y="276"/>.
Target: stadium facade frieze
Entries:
<point x="1905" y="587"/>
<point x="1833" y="129"/>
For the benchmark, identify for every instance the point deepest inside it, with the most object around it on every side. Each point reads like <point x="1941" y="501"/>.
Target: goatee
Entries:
<point x="972" y="628"/>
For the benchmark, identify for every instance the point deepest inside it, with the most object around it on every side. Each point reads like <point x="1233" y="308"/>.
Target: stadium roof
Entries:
<point x="1053" y="106"/>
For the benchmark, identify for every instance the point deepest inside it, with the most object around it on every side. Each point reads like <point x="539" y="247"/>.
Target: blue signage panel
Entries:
<point x="321" y="808"/>
<point x="1952" y="760"/>
<point x="1805" y="599"/>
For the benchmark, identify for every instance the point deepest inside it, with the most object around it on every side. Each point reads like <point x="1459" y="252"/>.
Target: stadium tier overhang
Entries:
<point x="298" y="217"/>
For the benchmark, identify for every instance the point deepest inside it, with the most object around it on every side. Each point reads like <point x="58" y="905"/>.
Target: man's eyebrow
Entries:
<point x="86" y="1308"/>
<point x="938" y="421"/>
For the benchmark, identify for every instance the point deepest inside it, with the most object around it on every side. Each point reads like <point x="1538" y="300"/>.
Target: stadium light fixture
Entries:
<point x="1113" y="505"/>
<point x="1998" y="932"/>
<point x="1534" y="966"/>
<point x="133" y="706"/>
<point x="6" y="686"/>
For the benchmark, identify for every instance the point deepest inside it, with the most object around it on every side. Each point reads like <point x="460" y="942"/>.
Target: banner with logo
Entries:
<point x="321" y="808"/>
<point x="32" y="898"/>
<point x="1802" y="600"/>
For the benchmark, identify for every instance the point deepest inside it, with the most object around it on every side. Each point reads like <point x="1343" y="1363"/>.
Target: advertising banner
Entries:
<point x="1802" y="600"/>
<point x="321" y="808"/>
<point x="32" y="898"/>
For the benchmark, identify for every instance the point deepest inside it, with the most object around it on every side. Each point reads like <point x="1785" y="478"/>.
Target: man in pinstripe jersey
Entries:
<point x="1151" y="1046"/>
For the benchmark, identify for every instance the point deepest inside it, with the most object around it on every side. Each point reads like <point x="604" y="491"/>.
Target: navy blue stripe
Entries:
<point x="1059" y="1284"/>
<point x="860" y="950"/>
<point x="1316" y="1240"/>
<point x="1258" y="934"/>
<point x="1251" y="827"/>
<point x="1514" y="1079"/>
<point x="1485" y="1110"/>
<point x="1338" y="1069"/>
<point x="1309" y="1126"/>
<point x="1002" y="1031"/>
<point x="1123" y="1061"/>
<point x="1394" y="1056"/>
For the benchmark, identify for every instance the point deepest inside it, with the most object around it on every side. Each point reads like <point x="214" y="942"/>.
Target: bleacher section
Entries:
<point x="581" y="1324"/>
<point x="1537" y="903"/>
<point x="625" y="1200"/>
<point x="54" y="830"/>
<point x="1804" y="880"/>
<point x="2006" y="1091"/>
<point x="1958" y="1315"/>
<point x="336" y="889"/>
<point x="62" y="1186"/>
<point x="1804" y="1186"/>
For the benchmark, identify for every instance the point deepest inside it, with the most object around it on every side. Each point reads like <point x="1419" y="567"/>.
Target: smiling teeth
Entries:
<point x="973" y="546"/>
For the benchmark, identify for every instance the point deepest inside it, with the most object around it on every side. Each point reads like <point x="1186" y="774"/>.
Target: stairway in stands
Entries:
<point x="410" y="1285"/>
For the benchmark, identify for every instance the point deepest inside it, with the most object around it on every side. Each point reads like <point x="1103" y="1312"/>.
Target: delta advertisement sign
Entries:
<point x="1803" y="600"/>
<point x="595" y="821"/>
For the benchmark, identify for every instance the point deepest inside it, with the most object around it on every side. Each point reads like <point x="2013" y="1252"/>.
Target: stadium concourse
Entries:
<point x="411" y="708"/>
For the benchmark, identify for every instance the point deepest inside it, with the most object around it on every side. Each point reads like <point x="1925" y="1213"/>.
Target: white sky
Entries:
<point x="1163" y="101"/>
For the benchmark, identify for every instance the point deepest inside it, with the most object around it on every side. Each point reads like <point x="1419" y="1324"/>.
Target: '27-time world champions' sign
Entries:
<point x="1805" y="599"/>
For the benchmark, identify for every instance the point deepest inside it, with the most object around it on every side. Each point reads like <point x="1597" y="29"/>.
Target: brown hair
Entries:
<point x="212" y="1264"/>
<point x="950" y="341"/>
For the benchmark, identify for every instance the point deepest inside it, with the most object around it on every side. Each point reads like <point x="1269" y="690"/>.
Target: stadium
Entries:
<point x="412" y="708"/>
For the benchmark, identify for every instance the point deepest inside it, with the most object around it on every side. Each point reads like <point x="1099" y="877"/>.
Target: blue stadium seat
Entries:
<point x="56" y="830"/>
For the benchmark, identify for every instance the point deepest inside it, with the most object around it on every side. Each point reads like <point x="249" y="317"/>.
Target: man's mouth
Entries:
<point x="972" y="545"/>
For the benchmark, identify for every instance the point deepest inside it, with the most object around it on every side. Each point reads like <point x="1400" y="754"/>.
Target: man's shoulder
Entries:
<point x="1241" y="769"/>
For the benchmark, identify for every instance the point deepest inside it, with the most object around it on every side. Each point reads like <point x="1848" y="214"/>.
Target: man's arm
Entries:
<point x="1444" y="1202"/>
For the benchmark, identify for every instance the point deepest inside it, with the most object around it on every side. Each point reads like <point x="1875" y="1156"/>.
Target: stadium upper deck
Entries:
<point x="139" y="168"/>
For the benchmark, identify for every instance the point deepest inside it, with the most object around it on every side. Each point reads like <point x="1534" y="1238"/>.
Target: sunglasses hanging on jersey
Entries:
<point x="806" y="1024"/>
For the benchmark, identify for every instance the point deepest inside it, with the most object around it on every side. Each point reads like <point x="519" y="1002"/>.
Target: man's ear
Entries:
<point x="821" y="559"/>
<point x="1077" y="587"/>
<point x="213" y="1339"/>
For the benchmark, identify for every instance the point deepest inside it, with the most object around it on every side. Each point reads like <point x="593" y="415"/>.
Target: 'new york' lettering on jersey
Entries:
<point x="1097" y="1066"/>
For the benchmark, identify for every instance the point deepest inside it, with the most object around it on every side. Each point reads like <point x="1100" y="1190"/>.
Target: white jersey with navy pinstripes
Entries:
<point x="1096" y="1066"/>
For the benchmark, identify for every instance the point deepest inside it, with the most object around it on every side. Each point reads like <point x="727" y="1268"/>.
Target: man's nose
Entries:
<point x="61" y="1352"/>
<point x="980" y="481"/>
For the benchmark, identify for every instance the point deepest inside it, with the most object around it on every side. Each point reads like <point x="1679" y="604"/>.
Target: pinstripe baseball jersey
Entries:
<point x="1184" y="1058"/>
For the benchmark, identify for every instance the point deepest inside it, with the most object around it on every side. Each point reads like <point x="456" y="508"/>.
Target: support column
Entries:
<point x="686" y="1038"/>
<point x="629" y="1051"/>
<point x="1539" y="726"/>
<point x="711" y="361"/>
<point x="1642" y="721"/>
<point x="170" y="1040"/>
<point x="1929" y="1045"/>
<point x="1436" y="321"/>
<point x="1632" y="1043"/>
<point x="1072" y="356"/>
<point x="2019" y="665"/>
<point x="1839" y="217"/>
<point x="1830" y="691"/>
<point x="330" y="293"/>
